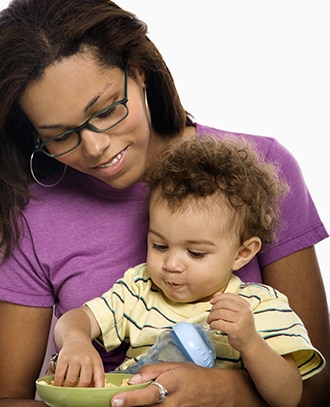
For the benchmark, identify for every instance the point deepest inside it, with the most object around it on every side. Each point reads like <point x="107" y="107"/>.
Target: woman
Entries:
<point x="86" y="101"/>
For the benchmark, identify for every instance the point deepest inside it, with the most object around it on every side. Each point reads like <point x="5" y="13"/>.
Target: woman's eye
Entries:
<point x="64" y="137"/>
<point x="196" y="254"/>
<point x="160" y="247"/>
<point x="106" y="113"/>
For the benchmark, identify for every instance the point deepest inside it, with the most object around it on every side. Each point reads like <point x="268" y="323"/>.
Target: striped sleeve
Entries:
<point x="281" y="327"/>
<point x="114" y="308"/>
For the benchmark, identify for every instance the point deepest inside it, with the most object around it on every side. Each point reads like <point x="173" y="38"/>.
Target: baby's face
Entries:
<point x="191" y="252"/>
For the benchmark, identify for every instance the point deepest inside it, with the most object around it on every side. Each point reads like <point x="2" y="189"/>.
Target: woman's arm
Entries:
<point x="23" y="342"/>
<point x="298" y="277"/>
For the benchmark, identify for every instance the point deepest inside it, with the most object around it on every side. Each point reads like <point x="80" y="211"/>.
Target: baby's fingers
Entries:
<point x="72" y="376"/>
<point x="60" y="374"/>
<point x="94" y="377"/>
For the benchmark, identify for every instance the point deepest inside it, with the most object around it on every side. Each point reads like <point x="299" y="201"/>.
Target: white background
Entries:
<point x="254" y="66"/>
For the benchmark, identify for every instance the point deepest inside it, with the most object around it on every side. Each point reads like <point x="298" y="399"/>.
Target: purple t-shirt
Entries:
<point x="80" y="236"/>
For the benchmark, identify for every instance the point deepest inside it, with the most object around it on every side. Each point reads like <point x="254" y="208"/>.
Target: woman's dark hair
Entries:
<point x="35" y="34"/>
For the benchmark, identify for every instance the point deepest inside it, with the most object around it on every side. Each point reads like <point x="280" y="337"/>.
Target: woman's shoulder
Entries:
<point x="267" y="146"/>
<point x="269" y="149"/>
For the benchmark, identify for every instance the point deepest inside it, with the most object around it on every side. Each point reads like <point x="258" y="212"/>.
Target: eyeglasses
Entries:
<point x="101" y="121"/>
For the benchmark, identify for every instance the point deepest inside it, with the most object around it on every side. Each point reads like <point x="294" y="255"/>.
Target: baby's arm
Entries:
<point x="78" y="363"/>
<point x="276" y="377"/>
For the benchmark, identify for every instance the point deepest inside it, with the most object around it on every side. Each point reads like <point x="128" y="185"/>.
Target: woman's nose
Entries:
<point x="94" y="144"/>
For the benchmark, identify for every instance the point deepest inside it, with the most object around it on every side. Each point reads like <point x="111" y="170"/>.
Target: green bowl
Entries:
<point x="55" y="396"/>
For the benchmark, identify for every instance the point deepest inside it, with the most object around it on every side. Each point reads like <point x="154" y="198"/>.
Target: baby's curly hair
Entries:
<point x="231" y="169"/>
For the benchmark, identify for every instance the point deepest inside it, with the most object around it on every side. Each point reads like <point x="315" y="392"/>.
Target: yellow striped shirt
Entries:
<point x="136" y="311"/>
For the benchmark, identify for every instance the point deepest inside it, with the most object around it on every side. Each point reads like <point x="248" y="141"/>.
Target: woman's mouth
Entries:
<point x="114" y="167"/>
<point x="114" y="160"/>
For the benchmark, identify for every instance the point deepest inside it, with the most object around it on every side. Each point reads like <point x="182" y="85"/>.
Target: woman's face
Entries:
<point x="73" y="90"/>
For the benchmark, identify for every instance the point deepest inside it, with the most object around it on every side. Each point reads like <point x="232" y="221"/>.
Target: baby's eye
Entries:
<point x="159" y="246"/>
<point x="197" y="254"/>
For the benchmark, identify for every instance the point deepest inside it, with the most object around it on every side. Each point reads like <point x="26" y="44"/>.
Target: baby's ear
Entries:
<point x="248" y="249"/>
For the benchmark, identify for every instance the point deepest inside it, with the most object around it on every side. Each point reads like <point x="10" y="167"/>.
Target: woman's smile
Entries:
<point x="114" y="165"/>
<point x="113" y="161"/>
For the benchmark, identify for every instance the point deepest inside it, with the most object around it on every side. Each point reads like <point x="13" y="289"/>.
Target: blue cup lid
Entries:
<point x="193" y="344"/>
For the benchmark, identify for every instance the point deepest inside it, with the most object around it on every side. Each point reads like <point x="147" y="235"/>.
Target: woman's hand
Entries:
<point x="189" y="385"/>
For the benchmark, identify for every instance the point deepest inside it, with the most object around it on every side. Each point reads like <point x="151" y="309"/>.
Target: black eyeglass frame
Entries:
<point x="40" y="146"/>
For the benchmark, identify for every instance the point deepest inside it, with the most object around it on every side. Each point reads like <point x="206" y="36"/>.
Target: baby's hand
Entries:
<point x="233" y="315"/>
<point x="79" y="365"/>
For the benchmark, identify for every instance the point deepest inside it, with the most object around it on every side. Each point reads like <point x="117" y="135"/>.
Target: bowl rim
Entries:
<point x="107" y="374"/>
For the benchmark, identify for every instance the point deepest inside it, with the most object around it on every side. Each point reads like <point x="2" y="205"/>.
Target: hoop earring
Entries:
<point x="147" y="105"/>
<point x="41" y="183"/>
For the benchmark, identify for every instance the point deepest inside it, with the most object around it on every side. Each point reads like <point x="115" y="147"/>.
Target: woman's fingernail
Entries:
<point x="117" y="403"/>
<point x="135" y="379"/>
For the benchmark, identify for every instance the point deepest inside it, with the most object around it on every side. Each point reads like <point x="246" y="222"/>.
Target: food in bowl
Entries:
<point x="125" y="382"/>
